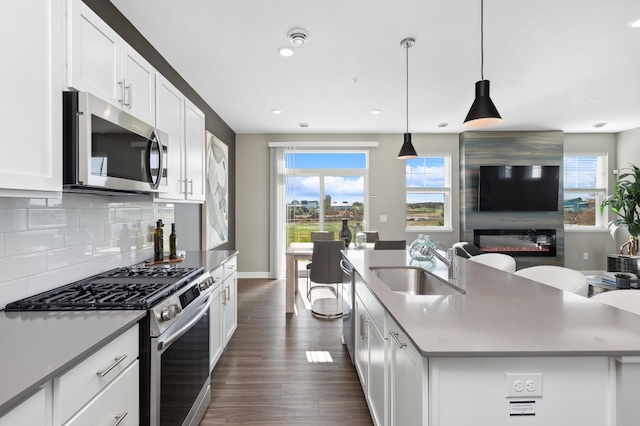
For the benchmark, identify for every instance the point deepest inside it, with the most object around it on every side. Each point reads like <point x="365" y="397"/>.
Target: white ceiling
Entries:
<point x="553" y="64"/>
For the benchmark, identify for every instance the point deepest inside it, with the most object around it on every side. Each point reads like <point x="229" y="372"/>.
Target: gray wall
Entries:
<point x="187" y="215"/>
<point x="386" y="188"/>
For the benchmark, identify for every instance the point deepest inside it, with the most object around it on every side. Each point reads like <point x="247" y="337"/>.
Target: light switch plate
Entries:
<point x="383" y="218"/>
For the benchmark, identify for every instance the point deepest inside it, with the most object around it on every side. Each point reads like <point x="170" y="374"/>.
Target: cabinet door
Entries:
<point x="361" y="344"/>
<point x="94" y="55"/>
<point x="139" y="85"/>
<point x="33" y="411"/>
<point x="31" y="107"/>
<point x="170" y="120"/>
<point x="376" y="383"/>
<point x="215" y="327"/>
<point x="194" y="152"/>
<point x="230" y="306"/>
<point x="405" y="380"/>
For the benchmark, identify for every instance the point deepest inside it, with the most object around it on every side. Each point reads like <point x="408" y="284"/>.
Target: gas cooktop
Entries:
<point x="121" y="288"/>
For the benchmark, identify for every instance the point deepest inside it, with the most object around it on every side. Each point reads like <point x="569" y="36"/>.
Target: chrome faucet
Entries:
<point x="450" y="261"/>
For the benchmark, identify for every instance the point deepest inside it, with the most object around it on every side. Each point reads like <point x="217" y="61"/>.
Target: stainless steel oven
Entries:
<point x="180" y="381"/>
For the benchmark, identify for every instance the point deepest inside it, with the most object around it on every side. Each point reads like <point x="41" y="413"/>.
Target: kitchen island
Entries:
<point x="508" y="348"/>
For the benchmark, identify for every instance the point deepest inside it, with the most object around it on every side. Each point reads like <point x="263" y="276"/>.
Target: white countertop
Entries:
<point x="37" y="346"/>
<point x="501" y="315"/>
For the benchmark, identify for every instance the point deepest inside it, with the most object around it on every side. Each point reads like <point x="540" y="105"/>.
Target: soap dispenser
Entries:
<point x="158" y="243"/>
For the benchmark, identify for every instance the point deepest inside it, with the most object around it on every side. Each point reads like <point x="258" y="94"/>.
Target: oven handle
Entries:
<point x="175" y="336"/>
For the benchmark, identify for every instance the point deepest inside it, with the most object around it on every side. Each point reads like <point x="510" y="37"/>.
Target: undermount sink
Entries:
<point x="413" y="280"/>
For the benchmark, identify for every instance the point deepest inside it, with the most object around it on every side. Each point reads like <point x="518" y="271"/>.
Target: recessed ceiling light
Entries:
<point x="304" y="125"/>
<point x="634" y="23"/>
<point x="376" y="111"/>
<point x="285" y="51"/>
<point x="599" y="125"/>
<point x="276" y="111"/>
<point x="298" y="37"/>
<point x="442" y="125"/>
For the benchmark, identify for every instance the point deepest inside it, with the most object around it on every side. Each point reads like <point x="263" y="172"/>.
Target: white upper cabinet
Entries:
<point x="183" y="123"/>
<point x="194" y="148"/>
<point x="170" y="120"/>
<point x="100" y="62"/>
<point x="31" y="36"/>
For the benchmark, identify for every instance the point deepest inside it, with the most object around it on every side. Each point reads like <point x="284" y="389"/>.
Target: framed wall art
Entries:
<point x="215" y="214"/>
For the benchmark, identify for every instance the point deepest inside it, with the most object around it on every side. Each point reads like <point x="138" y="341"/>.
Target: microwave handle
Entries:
<point x="154" y="139"/>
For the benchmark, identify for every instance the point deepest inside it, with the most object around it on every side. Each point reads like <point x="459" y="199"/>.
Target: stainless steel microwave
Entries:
<point x="108" y="150"/>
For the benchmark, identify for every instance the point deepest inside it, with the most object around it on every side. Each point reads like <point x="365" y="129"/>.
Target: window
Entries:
<point x="428" y="189"/>
<point x="322" y="189"/>
<point x="585" y="186"/>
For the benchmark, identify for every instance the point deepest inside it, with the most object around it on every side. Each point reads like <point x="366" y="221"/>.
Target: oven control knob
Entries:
<point x="169" y="312"/>
<point x="205" y="284"/>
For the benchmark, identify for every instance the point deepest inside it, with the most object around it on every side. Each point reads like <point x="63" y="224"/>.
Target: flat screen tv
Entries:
<point x="518" y="188"/>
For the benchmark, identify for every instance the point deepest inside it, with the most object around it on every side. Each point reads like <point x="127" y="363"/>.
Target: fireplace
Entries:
<point x="517" y="242"/>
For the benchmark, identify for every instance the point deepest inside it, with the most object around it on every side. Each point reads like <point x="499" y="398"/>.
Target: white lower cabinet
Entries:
<point x="35" y="410"/>
<point x="216" y="344"/>
<point x="117" y="404"/>
<point x="370" y="360"/>
<point x="224" y="309"/>
<point x="407" y="395"/>
<point x="88" y="383"/>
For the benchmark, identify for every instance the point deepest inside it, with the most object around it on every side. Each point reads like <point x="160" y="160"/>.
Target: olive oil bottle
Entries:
<point x="172" y="243"/>
<point x="158" y="243"/>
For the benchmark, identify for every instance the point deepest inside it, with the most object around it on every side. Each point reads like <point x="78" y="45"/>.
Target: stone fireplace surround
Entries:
<point x="510" y="148"/>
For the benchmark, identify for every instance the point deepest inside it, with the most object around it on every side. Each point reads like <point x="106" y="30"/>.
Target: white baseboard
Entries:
<point x="261" y="275"/>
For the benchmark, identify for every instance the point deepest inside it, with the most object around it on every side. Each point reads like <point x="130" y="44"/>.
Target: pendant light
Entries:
<point x="407" y="150"/>
<point x="483" y="112"/>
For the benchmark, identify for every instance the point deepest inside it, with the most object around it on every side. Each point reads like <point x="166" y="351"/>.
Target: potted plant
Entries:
<point x="623" y="280"/>
<point x="624" y="202"/>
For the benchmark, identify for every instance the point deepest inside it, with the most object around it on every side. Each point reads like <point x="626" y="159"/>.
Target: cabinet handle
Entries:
<point x="224" y="298"/>
<point x="106" y="371"/>
<point x="363" y="327"/>
<point x="228" y="293"/>
<point x="121" y="83"/>
<point x="191" y="186"/>
<point x="120" y="418"/>
<point x="395" y="335"/>
<point x="129" y="89"/>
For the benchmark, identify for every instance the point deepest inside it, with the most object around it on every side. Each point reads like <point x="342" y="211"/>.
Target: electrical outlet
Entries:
<point x="585" y="255"/>
<point x="524" y="385"/>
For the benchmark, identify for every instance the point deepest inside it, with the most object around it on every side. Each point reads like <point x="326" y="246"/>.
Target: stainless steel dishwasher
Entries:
<point x="348" y="296"/>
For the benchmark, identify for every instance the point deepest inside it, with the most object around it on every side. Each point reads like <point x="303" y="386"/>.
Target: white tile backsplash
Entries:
<point x="46" y="243"/>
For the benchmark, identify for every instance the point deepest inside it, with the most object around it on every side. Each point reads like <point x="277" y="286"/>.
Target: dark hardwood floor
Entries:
<point x="264" y="378"/>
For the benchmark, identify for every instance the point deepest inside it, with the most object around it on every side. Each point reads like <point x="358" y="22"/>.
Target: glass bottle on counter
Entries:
<point x="172" y="243"/>
<point x="158" y="243"/>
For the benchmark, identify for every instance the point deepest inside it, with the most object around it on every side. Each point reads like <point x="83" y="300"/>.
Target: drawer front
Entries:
<point x="217" y="274"/>
<point x="77" y="386"/>
<point x="119" y="401"/>
<point x="230" y="266"/>
<point x="376" y="311"/>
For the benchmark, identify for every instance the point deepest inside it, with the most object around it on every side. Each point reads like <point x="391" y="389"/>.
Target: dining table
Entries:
<point x="295" y="252"/>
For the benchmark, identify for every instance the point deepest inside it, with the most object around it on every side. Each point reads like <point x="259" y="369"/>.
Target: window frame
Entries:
<point x="445" y="190"/>
<point x="601" y="191"/>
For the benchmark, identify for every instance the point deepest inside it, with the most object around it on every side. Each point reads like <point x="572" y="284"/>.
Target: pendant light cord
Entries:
<point x="407" y="71"/>
<point x="481" y="39"/>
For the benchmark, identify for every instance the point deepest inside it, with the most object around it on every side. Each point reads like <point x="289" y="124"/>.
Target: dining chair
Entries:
<point x="326" y="273"/>
<point x="501" y="261"/>
<point x="372" y="236"/>
<point x="465" y="249"/>
<point x="322" y="235"/>
<point x="390" y="245"/>
<point x="629" y="300"/>
<point x="557" y="276"/>
<point x="319" y="236"/>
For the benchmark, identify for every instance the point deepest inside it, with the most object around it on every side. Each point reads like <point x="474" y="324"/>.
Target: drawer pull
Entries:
<point x="106" y="371"/>
<point x="395" y="335"/>
<point x="120" y="418"/>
